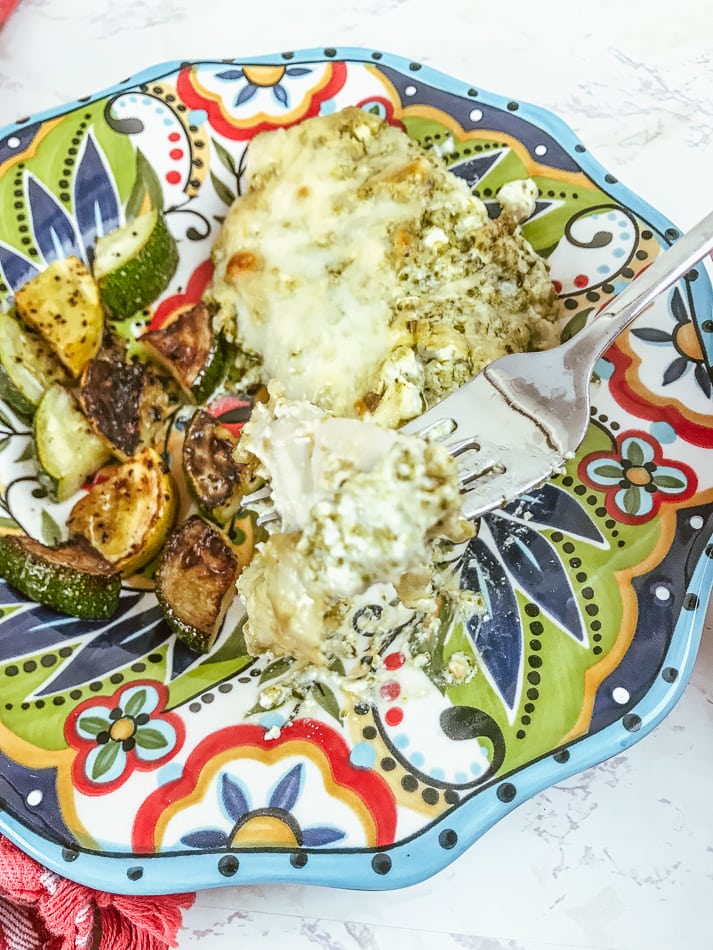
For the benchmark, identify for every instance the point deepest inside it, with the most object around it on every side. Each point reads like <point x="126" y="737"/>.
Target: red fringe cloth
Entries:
<point x="39" y="910"/>
<point x="6" y="8"/>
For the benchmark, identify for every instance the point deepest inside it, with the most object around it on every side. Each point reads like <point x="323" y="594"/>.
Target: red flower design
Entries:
<point x="116" y="735"/>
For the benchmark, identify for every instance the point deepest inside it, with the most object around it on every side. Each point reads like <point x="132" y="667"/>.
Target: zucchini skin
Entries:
<point x="71" y="578"/>
<point x="136" y="283"/>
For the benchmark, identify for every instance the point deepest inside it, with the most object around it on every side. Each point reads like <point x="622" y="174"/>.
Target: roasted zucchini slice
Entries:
<point x="27" y="366"/>
<point x="133" y="264"/>
<point x="212" y="474"/>
<point x="110" y="394"/>
<point x="160" y="399"/>
<point x="71" y="578"/>
<point x="67" y="449"/>
<point x="127" y="516"/>
<point x="195" y="582"/>
<point x="190" y="350"/>
<point x="63" y="304"/>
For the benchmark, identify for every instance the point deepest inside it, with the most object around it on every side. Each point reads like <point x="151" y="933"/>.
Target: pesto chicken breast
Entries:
<point x="367" y="278"/>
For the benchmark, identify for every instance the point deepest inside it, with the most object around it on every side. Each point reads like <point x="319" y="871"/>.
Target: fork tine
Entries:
<point x="261" y="494"/>
<point x="267" y="517"/>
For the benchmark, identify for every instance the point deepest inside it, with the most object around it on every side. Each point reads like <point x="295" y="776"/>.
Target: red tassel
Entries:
<point x="68" y="916"/>
<point x="6" y="8"/>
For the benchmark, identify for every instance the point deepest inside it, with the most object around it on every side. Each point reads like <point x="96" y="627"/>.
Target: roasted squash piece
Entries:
<point x="63" y="304"/>
<point x="72" y="578"/>
<point x="127" y="516"/>
<point x="212" y="474"/>
<point x="160" y="398"/>
<point x="28" y="366"/>
<point x="190" y="350"/>
<point x="110" y="395"/>
<point x="195" y="581"/>
<point x="68" y="451"/>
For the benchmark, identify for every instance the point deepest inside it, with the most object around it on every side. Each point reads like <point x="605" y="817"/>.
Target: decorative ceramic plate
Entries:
<point x="132" y="764"/>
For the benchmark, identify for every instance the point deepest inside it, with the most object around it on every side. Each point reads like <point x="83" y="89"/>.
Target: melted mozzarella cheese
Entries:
<point x="349" y="254"/>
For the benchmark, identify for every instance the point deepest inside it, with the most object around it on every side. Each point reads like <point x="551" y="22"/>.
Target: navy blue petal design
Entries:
<point x="537" y="570"/>
<point x="678" y="307"/>
<point x="39" y="628"/>
<point x="206" y="838"/>
<point x="652" y="335"/>
<point x="498" y="635"/>
<point x="675" y="370"/>
<point x="116" y="645"/>
<point x="230" y="74"/>
<point x="280" y="94"/>
<point x="96" y="204"/>
<point x="703" y="379"/>
<point x="552" y="507"/>
<point x="473" y="170"/>
<point x="16" y="268"/>
<point x="245" y="95"/>
<point x="181" y="658"/>
<point x="314" y="837"/>
<point x="297" y="71"/>
<point x="285" y="793"/>
<point x="234" y="800"/>
<point x="52" y="227"/>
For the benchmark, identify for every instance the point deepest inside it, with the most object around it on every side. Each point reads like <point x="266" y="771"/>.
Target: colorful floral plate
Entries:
<point x="131" y="764"/>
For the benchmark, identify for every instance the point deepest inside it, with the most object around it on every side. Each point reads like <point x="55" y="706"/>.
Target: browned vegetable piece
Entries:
<point x="128" y="515"/>
<point x="212" y="473"/>
<point x="160" y="398"/>
<point x="195" y="581"/>
<point x="62" y="303"/>
<point x="72" y="578"/>
<point x="190" y="350"/>
<point x="110" y="395"/>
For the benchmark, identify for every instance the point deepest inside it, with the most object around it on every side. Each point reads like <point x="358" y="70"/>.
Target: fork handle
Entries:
<point x="665" y="270"/>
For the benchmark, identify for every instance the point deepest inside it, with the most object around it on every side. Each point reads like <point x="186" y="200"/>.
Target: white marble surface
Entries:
<point x="620" y="857"/>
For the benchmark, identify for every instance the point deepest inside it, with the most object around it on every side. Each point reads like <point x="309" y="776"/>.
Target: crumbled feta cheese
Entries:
<point x="518" y="198"/>
<point x="357" y="511"/>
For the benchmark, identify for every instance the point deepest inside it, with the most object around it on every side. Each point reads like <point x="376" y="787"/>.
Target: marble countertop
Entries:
<point x="621" y="856"/>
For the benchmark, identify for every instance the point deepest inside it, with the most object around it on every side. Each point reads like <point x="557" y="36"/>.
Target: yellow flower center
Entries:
<point x="688" y="343"/>
<point x="122" y="729"/>
<point x="638" y="475"/>
<point x="263" y="75"/>
<point x="264" y="830"/>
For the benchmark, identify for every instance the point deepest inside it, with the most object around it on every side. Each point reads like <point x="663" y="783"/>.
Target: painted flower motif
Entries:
<point x="687" y="355"/>
<point x="636" y="478"/>
<point x="119" y="734"/>
<point x="241" y="101"/>
<point x="251" y="79"/>
<point x="273" y="823"/>
<point x="240" y="789"/>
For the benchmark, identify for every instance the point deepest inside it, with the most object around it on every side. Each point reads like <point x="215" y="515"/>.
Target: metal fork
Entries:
<point x="524" y="415"/>
<point x="516" y="423"/>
